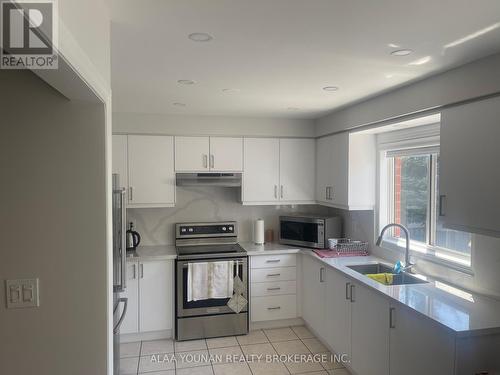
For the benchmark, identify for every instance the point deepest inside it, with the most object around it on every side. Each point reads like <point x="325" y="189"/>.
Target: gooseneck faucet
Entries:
<point x="408" y="265"/>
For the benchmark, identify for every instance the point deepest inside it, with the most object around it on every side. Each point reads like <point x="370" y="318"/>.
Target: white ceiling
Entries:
<point x="280" y="53"/>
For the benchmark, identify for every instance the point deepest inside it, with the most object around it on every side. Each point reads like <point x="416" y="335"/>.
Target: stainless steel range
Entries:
<point x="201" y="247"/>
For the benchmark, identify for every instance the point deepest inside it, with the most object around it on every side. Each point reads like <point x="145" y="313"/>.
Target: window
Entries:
<point x="411" y="178"/>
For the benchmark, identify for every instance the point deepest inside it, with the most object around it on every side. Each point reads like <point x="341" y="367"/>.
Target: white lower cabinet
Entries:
<point x="419" y="346"/>
<point x="150" y="286"/>
<point x="313" y="293"/>
<point x="369" y="331"/>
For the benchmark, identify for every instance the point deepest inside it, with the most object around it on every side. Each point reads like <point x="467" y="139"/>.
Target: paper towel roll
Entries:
<point x="258" y="232"/>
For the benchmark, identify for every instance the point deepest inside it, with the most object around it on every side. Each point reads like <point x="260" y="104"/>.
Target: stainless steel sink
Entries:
<point x="398" y="279"/>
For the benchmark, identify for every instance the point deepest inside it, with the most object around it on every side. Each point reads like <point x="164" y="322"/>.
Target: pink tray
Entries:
<point x="335" y="254"/>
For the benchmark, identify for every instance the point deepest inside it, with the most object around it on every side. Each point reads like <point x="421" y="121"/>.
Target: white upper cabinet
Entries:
<point x="119" y="161"/>
<point x="278" y="170"/>
<point x="192" y="154"/>
<point x="345" y="173"/>
<point x="262" y="166"/>
<point x="226" y="154"/>
<point x="469" y="177"/>
<point x="151" y="171"/>
<point x="297" y="169"/>
<point x="203" y="154"/>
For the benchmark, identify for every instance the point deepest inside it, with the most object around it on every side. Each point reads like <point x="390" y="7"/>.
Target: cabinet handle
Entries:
<point x="351" y="294"/>
<point x="205" y="161"/>
<point x="271" y="289"/>
<point x="282" y="191"/>
<point x="276" y="191"/>
<point x="130" y="193"/>
<point x="273" y="261"/>
<point x="274" y="308"/>
<point x="441" y="204"/>
<point x="142" y="271"/>
<point x="330" y="193"/>
<point x="391" y="318"/>
<point x="212" y="161"/>
<point x="321" y="275"/>
<point x="326" y="193"/>
<point x="135" y="272"/>
<point x="347" y="297"/>
<point x="273" y="274"/>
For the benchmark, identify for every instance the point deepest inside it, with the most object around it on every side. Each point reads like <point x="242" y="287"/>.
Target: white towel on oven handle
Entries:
<point x="208" y="280"/>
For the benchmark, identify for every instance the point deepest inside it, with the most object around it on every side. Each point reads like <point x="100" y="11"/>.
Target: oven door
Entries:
<point x="302" y="231"/>
<point x="212" y="306"/>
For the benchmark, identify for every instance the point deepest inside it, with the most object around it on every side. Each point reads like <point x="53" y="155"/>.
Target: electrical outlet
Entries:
<point x="22" y="293"/>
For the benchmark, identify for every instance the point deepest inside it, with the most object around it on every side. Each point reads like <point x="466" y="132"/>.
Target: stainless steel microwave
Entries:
<point x="309" y="231"/>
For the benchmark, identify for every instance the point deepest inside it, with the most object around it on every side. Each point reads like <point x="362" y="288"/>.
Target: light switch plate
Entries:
<point x="22" y="293"/>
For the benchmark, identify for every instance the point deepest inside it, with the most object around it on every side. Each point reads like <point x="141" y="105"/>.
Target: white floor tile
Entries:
<point x="130" y="349"/>
<point x="222" y="342"/>
<point x="302" y="332"/>
<point x="227" y="355"/>
<point x="257" y="352"/>
<point x="315" y="346"/>
<point x="280" y="334"/>
<point x="253" y="337"/>
<point x="128" y="366"/>
<point x="291" y="347"/>
<point x="156" y="362"/>
<point x="157" y="347"/>
<point x="202" y="370"/>
<point x="232" y="369"/>
<point x="192" y="359"/>
<point x="189" y="346"/>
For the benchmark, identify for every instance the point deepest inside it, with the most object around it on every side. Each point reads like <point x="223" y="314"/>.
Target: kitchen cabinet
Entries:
<point x="203" y="154"/>
<point x="119" y="158"/>
<point x="150" y="286"/>
<point x="468" y="173"/>
<point x="313" y="294"/>
<point x="156" y="285"/>
<point x="278" y="171"/>
<point x="338" y="311"/>
<point x="369" y="331"/>
<point x="262" y="165"/>
<point x="418" y="345"/>
<point x="297" y="161"/>
<point x="345" y="173"/>
<point x="151" y="171"/>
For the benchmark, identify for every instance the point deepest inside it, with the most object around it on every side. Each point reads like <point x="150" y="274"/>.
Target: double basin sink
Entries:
<point x="402" y="278"/>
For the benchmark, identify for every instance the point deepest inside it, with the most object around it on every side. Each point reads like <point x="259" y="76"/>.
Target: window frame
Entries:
<point x="414" y="139"/>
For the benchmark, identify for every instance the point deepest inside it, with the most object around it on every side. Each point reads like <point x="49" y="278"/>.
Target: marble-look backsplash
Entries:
<point x="156" y="225"/>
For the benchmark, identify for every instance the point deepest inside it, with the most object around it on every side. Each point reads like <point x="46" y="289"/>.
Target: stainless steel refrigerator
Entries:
<point x="119" y="266"/>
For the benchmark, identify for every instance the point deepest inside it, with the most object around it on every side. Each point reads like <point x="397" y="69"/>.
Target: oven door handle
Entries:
<point x="236" y="263"/>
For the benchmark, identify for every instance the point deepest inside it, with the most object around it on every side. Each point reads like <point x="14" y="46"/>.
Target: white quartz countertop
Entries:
<point x="161" y="252"/>
<point x="463" y="313"/>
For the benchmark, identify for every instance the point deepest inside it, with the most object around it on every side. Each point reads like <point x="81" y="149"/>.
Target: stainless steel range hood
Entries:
<point x="209" y="179"/>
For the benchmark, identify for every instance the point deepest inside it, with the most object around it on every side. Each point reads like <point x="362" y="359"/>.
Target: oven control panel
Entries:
<point x="206" y="229"/>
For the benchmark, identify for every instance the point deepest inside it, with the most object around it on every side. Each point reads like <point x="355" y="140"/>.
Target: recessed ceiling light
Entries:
<point x="330" y="88"/>
<point x="186" y="82"/>
<point x="401" y="52"/>
<point x="422" y="61"/>
<point x="177" y="104"/>
<point x="394" y="45"/>
<point x="200" y="37"/>
<point x="293" y="108"/>
<point x="231" y="90"/>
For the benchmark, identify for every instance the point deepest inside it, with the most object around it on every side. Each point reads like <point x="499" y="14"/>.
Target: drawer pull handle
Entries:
<point x="278" y="288"/>
<point x="273" y="261"/>
<point x="274" y="308"/>
<point x="273" y="274"/>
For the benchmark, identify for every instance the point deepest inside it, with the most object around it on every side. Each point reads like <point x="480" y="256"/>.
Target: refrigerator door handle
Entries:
<point x="123" y="249"/>
<point x="116" y="329"/>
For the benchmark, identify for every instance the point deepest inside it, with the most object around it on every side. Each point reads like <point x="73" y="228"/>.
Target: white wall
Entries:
<point x="210" y="125"/>
<point x="53" y="227"/>
<point x="472" y="80"/>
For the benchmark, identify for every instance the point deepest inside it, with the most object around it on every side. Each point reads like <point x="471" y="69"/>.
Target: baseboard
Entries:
<point x="268" y="324"/>
<point x="146" y="336"/>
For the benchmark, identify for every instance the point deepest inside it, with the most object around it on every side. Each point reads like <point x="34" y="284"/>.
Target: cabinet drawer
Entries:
<point x="273" y="308"/>
<point x="273" y="288"/>
<point x="273" y="261"/>
<point x="273" y="274"/>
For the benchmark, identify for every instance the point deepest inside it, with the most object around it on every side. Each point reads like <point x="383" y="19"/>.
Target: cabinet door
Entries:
<point x="324" y="172"/>
<point x="369" y="332"/>
<point x="338" y="311"/>
<point x="262" y="165"/>
<point x="156" y="299"/>
<point x="339" y="166"/>
<point x="226" y="154"/>
<point x="469" y="176"/>
<point x="151" y="170"/>
<point x="192" y="154"/>
<point x="419" y="346"/>
<point x="313" y="294"/>
<point x="297" y="169"/>
<point x="130" y="323"/>
<point x="119" y="160"/>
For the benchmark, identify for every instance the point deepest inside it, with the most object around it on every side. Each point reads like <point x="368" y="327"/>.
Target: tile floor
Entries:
<point x="240" y="355"/>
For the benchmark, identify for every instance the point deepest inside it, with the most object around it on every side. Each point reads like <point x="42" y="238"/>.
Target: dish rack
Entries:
<point x="348" y="247"/>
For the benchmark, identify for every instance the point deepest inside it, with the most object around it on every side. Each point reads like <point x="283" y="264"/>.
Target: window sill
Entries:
<point x="429" y="254"/>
